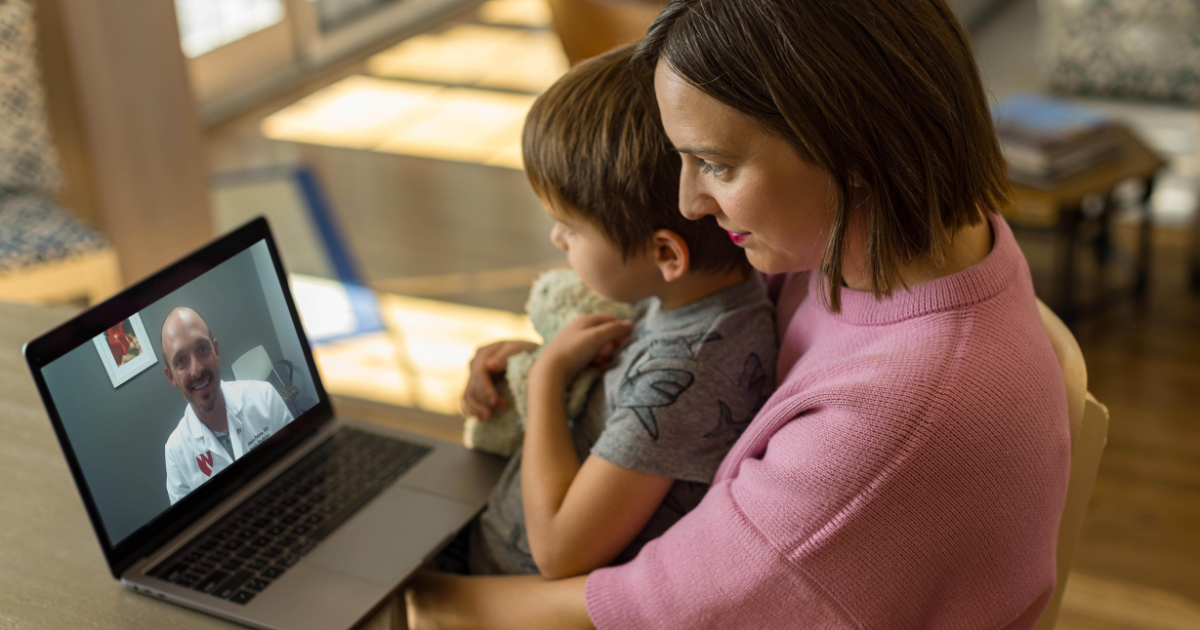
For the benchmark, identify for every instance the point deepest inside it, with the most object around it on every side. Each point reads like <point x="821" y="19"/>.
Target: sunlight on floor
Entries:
<point x="460" y="124"/>
<point x="516" y="12"/>
<point x="479" y="56"/>
<point x="420" y="360"/>
<point x="460" y="94"/>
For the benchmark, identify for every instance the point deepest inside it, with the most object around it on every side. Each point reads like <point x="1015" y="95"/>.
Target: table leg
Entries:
<point x="1068" y="226"/>
<point x="1140" y="287"/>
<point x="1194" y="259"/>
<point x="1102" y="245"/>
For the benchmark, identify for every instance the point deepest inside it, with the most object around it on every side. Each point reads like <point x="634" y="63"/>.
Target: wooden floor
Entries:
<point x="412" y="222"/>
<point x="1143" y="524"/>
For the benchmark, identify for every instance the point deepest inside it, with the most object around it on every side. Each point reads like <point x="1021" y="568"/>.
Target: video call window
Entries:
<point x="166" y="399"/>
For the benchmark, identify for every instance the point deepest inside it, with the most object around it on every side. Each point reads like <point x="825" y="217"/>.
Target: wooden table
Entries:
<point x="1059" y="211"/>
<point x="52" y="572"/>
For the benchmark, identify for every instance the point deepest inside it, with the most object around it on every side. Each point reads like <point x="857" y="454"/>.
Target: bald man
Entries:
<point x="222" y="421"/>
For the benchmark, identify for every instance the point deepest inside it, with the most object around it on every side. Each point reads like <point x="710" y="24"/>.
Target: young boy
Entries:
<point x="695" y="368"/>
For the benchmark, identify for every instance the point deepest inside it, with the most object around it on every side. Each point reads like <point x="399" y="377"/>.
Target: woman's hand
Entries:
<point x="480" y="398"/>
<point x="586" y="339"/>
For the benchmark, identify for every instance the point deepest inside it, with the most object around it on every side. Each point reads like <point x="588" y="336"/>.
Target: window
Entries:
<point x="205" y="25"/>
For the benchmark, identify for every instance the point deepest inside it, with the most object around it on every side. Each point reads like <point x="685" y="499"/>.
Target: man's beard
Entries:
<point x="214" y="383"/>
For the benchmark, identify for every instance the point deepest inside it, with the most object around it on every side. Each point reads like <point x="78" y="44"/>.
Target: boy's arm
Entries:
<point x="578" y="518"/>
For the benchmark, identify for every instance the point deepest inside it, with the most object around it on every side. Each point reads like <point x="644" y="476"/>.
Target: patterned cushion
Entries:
<point x="1142" y="49"/>
<point x="27" y="158"/>
<point x="34" y="230"/>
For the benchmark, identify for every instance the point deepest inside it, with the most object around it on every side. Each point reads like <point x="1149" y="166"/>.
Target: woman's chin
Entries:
<point x="769" y="262"/>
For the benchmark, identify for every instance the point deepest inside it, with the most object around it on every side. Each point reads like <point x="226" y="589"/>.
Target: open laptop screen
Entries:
<point x="167" y="398"/>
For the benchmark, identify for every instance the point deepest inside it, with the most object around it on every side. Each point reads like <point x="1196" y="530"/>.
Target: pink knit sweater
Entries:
<point x="910" y="472"/>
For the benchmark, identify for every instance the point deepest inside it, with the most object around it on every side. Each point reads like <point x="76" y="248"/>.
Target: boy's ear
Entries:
<point x="670" y="254"/>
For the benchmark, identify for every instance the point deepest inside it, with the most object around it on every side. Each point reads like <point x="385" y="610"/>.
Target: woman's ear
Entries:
<point x="670" y="254"/>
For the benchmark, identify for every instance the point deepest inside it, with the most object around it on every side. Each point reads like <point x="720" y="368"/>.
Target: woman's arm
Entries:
<point x="440" y="601"/>
<point x="480" y="398"/>
<point x="578" y="517"/>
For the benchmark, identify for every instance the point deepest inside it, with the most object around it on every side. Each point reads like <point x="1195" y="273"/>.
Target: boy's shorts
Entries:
<point x="454" y="558"/>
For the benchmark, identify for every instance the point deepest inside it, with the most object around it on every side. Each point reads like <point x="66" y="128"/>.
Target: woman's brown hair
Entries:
<point x="881" y="94"/>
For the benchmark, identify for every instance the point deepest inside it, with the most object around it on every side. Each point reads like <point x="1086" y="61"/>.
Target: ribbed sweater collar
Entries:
<point x="973" y="285"/>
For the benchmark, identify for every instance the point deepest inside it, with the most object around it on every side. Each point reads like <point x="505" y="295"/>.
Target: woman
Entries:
<point x="911" y="468"/>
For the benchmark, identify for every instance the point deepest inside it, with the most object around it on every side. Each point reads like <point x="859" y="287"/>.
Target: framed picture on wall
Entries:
<point x="125" y="350"/>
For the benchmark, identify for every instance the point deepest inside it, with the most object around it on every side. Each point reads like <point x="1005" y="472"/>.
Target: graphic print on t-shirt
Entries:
<point x="645" y="387"/>
<point x="751" y="385"/>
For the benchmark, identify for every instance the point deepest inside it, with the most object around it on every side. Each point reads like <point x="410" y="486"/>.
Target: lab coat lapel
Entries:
<point x="237" y="424"/>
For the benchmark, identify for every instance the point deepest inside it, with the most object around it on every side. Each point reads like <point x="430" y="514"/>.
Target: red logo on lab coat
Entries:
<point x="205" y="463"/>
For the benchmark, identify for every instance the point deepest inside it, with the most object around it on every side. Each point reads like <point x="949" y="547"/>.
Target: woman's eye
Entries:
<point x="710" y="169"/>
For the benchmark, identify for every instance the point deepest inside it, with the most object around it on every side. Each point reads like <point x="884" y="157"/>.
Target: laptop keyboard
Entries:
<point x="249" y="549"/>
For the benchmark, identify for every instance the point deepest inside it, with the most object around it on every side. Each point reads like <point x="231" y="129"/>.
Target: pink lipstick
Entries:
<point x="737" y="237"/>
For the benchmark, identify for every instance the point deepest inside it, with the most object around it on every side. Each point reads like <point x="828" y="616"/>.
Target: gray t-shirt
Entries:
<point x="682" y="390"/>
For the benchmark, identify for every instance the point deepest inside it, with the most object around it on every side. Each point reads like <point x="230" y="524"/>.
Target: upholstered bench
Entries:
<point x="49" y="256"/>
<point x="46" y="254"/>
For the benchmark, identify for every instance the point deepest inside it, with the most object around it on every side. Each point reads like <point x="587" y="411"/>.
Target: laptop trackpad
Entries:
<point x="389" y="538"/>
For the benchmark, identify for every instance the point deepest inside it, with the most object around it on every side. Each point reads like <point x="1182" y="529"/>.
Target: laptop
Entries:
<point x="275" y="513"/>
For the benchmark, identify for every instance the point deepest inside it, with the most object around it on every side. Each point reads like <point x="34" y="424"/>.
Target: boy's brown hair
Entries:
<point x="595" y="147"/>
<point x="879" y="93"/>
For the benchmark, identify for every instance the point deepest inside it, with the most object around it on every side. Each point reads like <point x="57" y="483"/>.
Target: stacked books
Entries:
<point x="1046" y="140"/>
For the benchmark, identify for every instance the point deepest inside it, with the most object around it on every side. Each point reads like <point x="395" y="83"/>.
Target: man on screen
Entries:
<point x="222" y="421"/>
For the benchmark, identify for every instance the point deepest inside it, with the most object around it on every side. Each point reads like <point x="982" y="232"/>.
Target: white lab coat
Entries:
<point x="255" y="412"/>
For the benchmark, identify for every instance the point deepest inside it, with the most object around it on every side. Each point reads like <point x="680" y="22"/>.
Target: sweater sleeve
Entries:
<point x="852" y="519"/>
<point x="713" y="569"/>
<point x="718" y="567"/>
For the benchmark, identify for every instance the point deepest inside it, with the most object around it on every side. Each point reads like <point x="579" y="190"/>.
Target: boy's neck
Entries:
<point x="694" y="286"/>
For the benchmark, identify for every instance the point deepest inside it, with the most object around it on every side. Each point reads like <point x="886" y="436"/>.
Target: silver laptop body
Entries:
<point x="331" y="583"/>
<point x="354" y="570"/>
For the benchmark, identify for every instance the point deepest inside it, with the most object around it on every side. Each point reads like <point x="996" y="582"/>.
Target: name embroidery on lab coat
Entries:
<point x="258" y="439"/>
<point x="205" y="463"/>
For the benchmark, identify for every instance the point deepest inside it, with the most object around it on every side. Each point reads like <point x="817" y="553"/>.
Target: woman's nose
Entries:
<point x="694" y="203"/>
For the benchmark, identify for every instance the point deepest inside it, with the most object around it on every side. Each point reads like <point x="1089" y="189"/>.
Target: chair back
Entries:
<point x="255" y="365"/>
<point x="1089" y="432"/>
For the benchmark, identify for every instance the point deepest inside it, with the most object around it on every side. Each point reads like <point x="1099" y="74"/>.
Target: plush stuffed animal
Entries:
<point x="557" y="297"/>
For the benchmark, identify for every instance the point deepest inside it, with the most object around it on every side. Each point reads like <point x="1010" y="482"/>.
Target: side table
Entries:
<point x="1059" y="210"/>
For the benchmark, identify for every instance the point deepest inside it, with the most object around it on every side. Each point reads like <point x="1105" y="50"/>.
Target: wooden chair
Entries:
<point x="590" y="27"/>
<point x="1089" y="432"/>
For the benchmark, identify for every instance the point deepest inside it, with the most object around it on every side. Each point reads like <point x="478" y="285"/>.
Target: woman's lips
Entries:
<point x="737" y="237"/>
